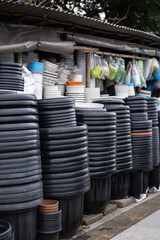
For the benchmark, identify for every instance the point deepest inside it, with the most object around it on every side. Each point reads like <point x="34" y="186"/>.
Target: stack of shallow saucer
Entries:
<point x="11" y="76"/>
<point x="51" y="92"/>
<point x="50" y="73"/>
<point x="76" y="92"/>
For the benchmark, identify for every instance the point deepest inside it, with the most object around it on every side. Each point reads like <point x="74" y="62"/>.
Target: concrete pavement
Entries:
<point x="147" y="229"/>
<point x="117" y="222"/>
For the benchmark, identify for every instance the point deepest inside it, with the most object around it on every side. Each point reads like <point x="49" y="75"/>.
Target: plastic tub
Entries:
<point x="36" y="67"/>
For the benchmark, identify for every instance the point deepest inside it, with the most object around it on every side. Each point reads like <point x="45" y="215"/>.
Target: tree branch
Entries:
<point x="125" y="16"/>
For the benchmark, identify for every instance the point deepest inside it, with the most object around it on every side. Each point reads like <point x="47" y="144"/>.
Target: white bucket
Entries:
<point x="91" y="93"/>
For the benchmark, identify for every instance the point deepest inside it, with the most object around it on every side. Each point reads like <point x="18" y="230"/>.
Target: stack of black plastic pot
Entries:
<point x="65" y="163"/>
<point x="6" y="231"/>
<point x="21" y="188"/>
<point x="11" y="76"/>
<point x="154" y="178"/>
<point x="57" y="113"/>
<point x="141" y="145"/>
<point x="102" y="157"/>
<point x="49" y="220"/>
<point x="120" y="180"/>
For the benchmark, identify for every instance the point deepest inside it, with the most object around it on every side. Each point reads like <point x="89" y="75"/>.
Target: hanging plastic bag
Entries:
<point x="155" y="65"/>
<point x="121" y="70"/>
<point x="135" y="75"/>
<point x="156" y="74"/>
<point x="113" y="68"/>
<point x="143" y="82"/>
<point x="105" y="67"/>
<point x="147" y="69"/>
<point x="97" y="71"/>
<point x="127" y="76"/>
<point x="140" y="64"/>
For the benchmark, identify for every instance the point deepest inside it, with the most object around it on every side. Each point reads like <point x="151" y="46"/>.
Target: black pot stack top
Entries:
<point x="65" y="161"/>
<point x="153" y="115"/>
<point x="152" y="110"/>
<point x="20" y="158"/>
<point x="57" y="112"/>
<point x="138" y="108"/>
<point x="11" y="76"/>
<point x="123" y="133"/>
<point x="141" y="131"/>
<point x="101" y="141"/>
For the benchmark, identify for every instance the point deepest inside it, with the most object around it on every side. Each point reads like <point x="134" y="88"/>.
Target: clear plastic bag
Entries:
<point x="142" y="80"/>
<point x="113" y="68"/>
<point x="97" y="71"/>
<point x="147" y="69"/>
<point x="121" y="70"/>
<point x="135" y="75"/>
<point x="105" y="67"/>
<point x="127" y="76"/>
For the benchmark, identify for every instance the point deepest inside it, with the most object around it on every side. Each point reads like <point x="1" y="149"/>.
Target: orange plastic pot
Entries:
<point x="48" y="206"/>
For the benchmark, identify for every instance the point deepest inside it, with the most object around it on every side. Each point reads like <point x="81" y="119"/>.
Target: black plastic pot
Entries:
<point x="49" y="225"/>
<point x="136" y="184"/>
<point x="154" y="178"/>
<point x="98" y="197"/>
<point x="145" y="181"/>
<point x="72" y="213"/>
<point x="6" y="231"/>
<point x="23" y="223"/>
<point x="120" y="184"/>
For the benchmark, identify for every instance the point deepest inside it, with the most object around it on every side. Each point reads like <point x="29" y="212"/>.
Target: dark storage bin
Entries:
<point x="145" y="181"/>
<point x="154" y="178"/>
<point x="23" y="223"/>
<point x="120" y="184"/>
<point x="98" y="197"/>
<point x="136" y="184"/>
<point x="72" y="213"/>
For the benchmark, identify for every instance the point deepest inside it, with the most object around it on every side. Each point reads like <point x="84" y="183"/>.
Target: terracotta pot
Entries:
<point x="48" y="206"/>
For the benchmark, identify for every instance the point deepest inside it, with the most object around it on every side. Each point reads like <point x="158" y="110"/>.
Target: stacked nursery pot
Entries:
<point x="102" y="156"/>
<point x="57" y="112"/>
<point x="141" y="139"/>
<point x="120" y="180"/>
<point x="6" y="230"/>
<point x="51" y="92"/>
<point x="20" y="159"/>
<point x="49" y="220"/>
<point x="65" y="162"/>
<point x="154" y="177"/>
<point x="11" y="76"/>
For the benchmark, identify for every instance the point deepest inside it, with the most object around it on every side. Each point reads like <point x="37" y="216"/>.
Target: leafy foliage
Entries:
<point x="140" y="14"/>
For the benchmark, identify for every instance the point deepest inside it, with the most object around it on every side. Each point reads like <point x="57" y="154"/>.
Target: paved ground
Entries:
<point x="148" y="229"/>
<point x="127" y="219"/>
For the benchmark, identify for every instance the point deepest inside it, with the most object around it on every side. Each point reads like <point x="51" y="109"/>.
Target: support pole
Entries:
<point x="88" y="83"/>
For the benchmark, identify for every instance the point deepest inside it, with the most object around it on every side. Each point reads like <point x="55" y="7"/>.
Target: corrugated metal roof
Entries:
<point x="11" y="7"/>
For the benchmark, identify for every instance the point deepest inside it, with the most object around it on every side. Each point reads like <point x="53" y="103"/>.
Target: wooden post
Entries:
<point x="18" y="57"/>
<point x="88" y="70"/>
